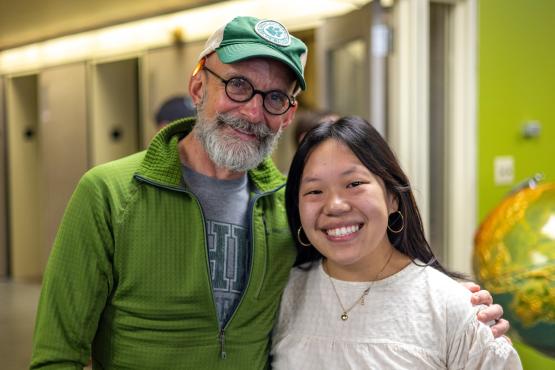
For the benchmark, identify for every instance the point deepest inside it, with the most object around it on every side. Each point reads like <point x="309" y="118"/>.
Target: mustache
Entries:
<point x="258" y="129"/>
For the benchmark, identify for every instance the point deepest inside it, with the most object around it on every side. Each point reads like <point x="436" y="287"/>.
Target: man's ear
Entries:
<point x="196" y="82"/>
<point x="195" y="88"/>
<point x="289" y="115"/>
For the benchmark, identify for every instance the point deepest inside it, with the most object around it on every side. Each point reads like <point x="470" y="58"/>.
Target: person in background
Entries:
<point x="307" y="119"/>
<point x="368" y="292"/>
<point x="174" y="108"/>
<point x="176" y="257"/>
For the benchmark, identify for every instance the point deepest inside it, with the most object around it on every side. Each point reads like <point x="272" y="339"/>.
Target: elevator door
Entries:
<point x="23" y="178"/>
<point x="352" y="51"/>
<point x="63" y="143"/>
<point x="166" y="73"/>
<point x="3" y="178"/>
<point x="115" y="110"/>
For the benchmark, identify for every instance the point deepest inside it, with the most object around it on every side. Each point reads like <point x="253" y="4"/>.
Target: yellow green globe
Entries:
<point x="514" y="258"/>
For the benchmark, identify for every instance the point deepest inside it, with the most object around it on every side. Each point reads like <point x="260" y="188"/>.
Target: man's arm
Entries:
<point x="491" y="315"/>
<point x="76" y="284"/>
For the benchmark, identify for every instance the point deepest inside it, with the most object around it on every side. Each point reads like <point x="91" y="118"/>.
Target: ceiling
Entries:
<point x="26" y="21"/>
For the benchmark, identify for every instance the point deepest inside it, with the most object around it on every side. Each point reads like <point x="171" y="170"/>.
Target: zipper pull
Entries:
<point x="223" y="354"/>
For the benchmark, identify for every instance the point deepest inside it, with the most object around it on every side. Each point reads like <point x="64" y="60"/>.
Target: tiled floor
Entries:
<point x="18" y="304"/>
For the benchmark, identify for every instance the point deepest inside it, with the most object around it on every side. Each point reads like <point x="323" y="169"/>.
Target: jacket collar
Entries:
<point x="161" y="163"/>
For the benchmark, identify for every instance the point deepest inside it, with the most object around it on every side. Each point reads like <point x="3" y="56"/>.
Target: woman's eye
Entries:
<point x="312" y="192"/>
<point x="355" y="184"/>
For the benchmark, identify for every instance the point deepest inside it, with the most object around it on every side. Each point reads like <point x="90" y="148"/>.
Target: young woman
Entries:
<point x="368" y="292"/>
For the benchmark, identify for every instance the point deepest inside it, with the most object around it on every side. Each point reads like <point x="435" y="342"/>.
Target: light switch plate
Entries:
<point x="504" y="170"/>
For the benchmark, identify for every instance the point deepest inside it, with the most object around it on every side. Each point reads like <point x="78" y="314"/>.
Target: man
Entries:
<point x="176" y="258"/>
<point x="174" y="108"/>
<point x="308" y="119"/>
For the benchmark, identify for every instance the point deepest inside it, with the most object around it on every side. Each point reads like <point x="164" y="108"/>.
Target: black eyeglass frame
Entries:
<point x="290" y="99"/>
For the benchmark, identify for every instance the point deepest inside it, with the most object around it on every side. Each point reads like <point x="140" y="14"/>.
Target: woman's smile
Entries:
<point x="343" y="231"/>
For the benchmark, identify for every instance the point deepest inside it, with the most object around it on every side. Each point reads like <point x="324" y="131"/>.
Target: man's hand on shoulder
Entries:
<point x="492" y="314"/>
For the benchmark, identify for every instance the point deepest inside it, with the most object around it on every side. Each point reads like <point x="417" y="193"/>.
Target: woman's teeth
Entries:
<point x="342" y="231"/>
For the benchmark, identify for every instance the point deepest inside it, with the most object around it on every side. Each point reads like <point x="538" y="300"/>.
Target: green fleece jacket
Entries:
<point x="128" y="277"/>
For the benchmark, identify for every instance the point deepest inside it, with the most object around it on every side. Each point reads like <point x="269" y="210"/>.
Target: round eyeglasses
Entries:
<point x="240" y="90"/>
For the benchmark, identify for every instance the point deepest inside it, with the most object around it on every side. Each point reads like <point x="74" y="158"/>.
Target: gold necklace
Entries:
<point x="344" y="316"/>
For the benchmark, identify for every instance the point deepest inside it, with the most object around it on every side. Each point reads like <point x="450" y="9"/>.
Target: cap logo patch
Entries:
<point x="273" y="32"/>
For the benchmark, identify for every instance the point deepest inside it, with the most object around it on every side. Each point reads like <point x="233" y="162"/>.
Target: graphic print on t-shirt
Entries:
<point x="227" y="247"/>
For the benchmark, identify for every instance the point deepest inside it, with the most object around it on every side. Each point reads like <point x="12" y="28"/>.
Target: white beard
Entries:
<point x="229" y="151"/>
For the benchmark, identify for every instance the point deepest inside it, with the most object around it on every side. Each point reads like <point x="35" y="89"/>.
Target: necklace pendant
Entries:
<point x="344" y="317"/>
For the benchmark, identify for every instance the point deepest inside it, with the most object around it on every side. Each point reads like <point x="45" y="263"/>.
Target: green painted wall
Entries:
<point x="532" y="359"/>
<point x="516" y="82"/>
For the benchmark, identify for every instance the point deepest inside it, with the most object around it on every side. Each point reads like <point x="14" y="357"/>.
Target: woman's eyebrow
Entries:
<point x="348" y="171"/>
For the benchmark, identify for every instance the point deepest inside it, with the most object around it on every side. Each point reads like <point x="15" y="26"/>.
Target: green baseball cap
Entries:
<point x="249" y="37"/>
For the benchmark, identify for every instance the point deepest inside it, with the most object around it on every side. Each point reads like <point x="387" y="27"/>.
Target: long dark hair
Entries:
<point x="374" y="153"/>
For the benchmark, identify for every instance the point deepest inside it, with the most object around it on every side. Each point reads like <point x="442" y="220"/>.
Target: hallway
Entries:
<point x="18" y="304"/>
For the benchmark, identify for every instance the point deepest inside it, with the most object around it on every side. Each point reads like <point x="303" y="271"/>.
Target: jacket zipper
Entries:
<point x="221" y="333"/>
<point x="223" y="354"/>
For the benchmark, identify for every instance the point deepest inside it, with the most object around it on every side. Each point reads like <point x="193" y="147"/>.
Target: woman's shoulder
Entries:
<point x="300" y="275"/>
<point x="295" y="295"/>
<point x="446" y="298"/>
<point x="450" y="288"/>
<point x="470" y="343"/>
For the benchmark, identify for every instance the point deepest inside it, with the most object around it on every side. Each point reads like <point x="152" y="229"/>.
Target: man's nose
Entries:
<point x="253" y="109"/>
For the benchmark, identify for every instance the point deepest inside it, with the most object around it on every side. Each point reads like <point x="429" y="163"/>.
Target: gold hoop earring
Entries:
<point x="299" y="238"/>
<point x="402" y="226"/>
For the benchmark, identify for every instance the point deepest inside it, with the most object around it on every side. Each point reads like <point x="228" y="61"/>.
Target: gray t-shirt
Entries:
<point x="224" y="204"/>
